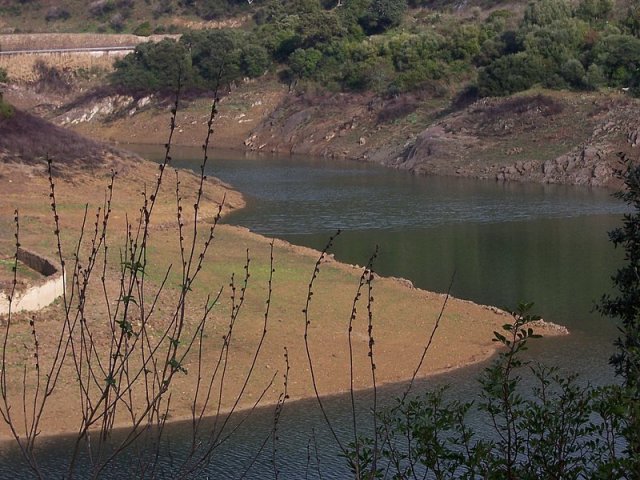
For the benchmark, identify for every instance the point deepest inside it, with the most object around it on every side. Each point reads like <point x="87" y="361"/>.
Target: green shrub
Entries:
<point x="4" y="78"/>
<point x="573" y="73"/>
<point x="543" y="424"/>
<point x="595" y="12"/>
<point x="6" y="110"/>
<point x="594" y="78"/>
<point x="143" y="30"/>
<point x="544" y="12"/>
<point x="624" y="306"/>
<point x="382" y="15"/>
<point x="510" y="74"/>
<point x="215" y="55"/>
<point x="154" y="66"/>
<point x="304" y="63"/>
<point x="619" y="57"/>
<point x="254" y="60"/>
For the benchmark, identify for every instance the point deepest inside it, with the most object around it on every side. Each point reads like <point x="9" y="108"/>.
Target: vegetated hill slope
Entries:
<point x="117" y="16"/>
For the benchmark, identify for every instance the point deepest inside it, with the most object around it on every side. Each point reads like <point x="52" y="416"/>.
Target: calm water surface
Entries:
<point x="506" y="243"/>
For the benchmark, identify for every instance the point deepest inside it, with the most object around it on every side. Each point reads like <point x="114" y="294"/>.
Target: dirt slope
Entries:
<point x="539" y="135"/>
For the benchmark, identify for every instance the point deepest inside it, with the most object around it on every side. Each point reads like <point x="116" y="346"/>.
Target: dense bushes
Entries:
<point x="364" y="45"/>
<point x="199" y="60"/>
<point x="154" y="67"/>
<point x="561" y="47"/>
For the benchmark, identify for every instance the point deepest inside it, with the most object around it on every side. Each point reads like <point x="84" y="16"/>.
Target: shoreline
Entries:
<point x="399" y="301"/>
<point x="251" y="120"/>
<point x="8" y="442"/>
<point x="248" y="152"/>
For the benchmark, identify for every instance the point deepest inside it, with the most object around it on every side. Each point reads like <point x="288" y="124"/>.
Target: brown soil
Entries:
<point x="240" y="112"/>
<point x="538" y="136"/>
<point x="403" y="316"/>
<point x="30" y="140"/>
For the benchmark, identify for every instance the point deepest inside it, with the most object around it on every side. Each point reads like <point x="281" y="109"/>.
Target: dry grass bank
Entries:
<point x="403" y="317"/>
<point x="39" y="41"/>
<point x="22" y="68"/>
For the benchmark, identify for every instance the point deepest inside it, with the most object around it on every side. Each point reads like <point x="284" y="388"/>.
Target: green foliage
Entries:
<point x="545" y="12"/>
<point x="254" y="60"/>
<point x="202" y="60"/>
<point x="317" y="28"/>
<point x="382" y="15"/>
<point x="625" y="307"/>
<point x="631" y="21"/>
<point x="510" y="74"/>
<point x="556" y="42"/>
<point x="304" y="63"/>
<point x="619" y="58"/>
<point x="543" y="425"/>
<point x="154" y="67"/>
<point x="594" y="79"/>
<point x="4" y="78"/>
<point x="573" y="73"/>
<point x="6" y="110"/>
<point x="143" y="30"/>
<point x="595" y="12"/>
<point x="355" y="47"/>
<point x="215" y="55"/>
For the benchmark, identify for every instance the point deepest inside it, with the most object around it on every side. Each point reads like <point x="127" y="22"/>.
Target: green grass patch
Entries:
<point x="23" y="273"/>
<point x="6" y="110"/>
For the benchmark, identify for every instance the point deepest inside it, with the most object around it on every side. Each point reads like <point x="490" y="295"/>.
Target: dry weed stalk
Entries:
<point x="129" y="382"/>
<point x="362" y="457"/>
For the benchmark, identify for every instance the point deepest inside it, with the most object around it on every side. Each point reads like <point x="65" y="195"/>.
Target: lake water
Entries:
<point x="506" y="243"/>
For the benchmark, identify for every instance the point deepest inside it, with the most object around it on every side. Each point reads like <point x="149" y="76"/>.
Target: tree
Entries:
<point x="318" y="28"/>
<point x="254" y="60"/>
<point x="154" y="66"/>
<point x="510" y="74"/>
<point x="382" y="15"/>
<point x="619" y="57"/>
<point x="595" y="12"/>
<point x="625" y="307"/>
<point x="545" y="12"/>
<point x="215" y="55"/>
<point x="303" y="63"/>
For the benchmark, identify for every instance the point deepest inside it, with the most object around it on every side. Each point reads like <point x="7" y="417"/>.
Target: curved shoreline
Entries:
<point x="396" y="301"/>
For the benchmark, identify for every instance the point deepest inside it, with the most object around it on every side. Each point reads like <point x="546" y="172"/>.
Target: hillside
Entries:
<point x="28" y="140"/>
<point x="119" y="16"/>
<point x="541" y="136"/>
<point x="539" y="92"/>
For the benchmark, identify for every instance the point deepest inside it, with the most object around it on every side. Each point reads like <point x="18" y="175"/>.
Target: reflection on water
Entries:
<point x="506" y="243"/>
